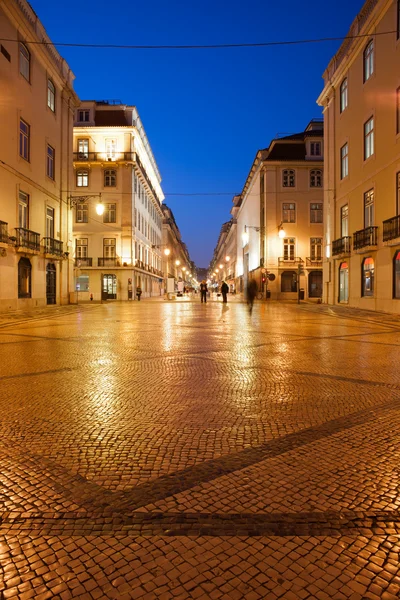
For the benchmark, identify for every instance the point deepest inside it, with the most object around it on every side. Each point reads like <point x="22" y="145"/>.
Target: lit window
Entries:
<point x="23" y="210"/>
<point x="289" y="248"/>
<point x="316" y="178"/>
<point x="316" y="212"/>
<point x="289" y="212"/>
<point x="368" y="60"/>
<point x="344" y="220"/>
<point x="368" y="276"/>
<point x="110" y="178"/>
<point x="368" y="138"/>
<point x="369" y="208"/>
<point x="343" y="95"/>
<point x="288" y="178"/>
<point x="82" y="213"/>
<point x="24" y="139"/>
<point x="50" y="161"/>
<point x="110" y="213"/>
<point x="24" y="62"/>
<point x="82" y="178"/>
<point x="344" y="161"/>
<point x="51" y="95"/>
<point x="316" y="249"/>
<point x="81" y="248"/>
<point x="109" y="248"/>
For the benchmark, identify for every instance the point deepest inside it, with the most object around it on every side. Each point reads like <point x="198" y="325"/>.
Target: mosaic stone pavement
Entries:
<point x="173" y="450"/>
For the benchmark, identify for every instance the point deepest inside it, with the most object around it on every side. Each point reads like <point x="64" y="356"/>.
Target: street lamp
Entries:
<point x="74" y="200"/>
<point x="281" y="231"/>
<point x="177" y="262"/>
<point x="227" y="258"/>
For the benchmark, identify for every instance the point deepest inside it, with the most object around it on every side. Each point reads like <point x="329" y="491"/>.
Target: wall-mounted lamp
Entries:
<point x="74" y="200"/>
<point x="281" y="231"/>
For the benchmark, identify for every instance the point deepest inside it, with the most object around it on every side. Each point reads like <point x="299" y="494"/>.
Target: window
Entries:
<point x="82" y="213"/>
<point x="368" y="270"/>
<point x="316" y="212"/>
<point x="315" y="148"/>
<point x="316" y="248"/>
<point x="111" y="146"/>
<point x="83" y="149"/>
<point x="51" y="95"/>
<point x="398" y="193"/>
<point x="82" y="283"/>
<point x="49" y="222"/>
<point x="24" y="278"/>
<point x="396" y="275"/>
<point x="110" y="213"/>
<point x="288" y="248"/>
<point x="82" y="178"/>
<point x="110" y="178"/>
<point x="398" y="109"/>
<point x="289" y="281"/>
<point x="24" y="139"/>
<point x="343" y="95"/>
<point x="368" y="60"/>
<point x="368" y="138"/>
<point x="5" y="53"/>
<point x="50" y="161"/>
<point x="369" y="208"/>
<point x="316" y="178"/>
<point x="288" y="178"/>
<point x="344" y="161"/>
<point x="289" y="212"/>
<point x="24" y="62"/>
<point x="344" y="220"/>
<point x="83" y="116"/>
<point x="23" y="210"/>
<point x="109" y="248"/>
<point x="81" y="248"/>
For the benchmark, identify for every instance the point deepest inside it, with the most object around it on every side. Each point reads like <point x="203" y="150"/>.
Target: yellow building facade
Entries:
<point x="361" y="102"/>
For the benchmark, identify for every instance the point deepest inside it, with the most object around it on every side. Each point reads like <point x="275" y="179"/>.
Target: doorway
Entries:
<point x="315" y="284"/>
<point x="109" y="291"/>
<point x="344" y="282"/>
<point x="51" y="296"/>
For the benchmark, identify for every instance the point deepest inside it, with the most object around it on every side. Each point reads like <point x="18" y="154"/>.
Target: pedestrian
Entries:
<point x="224" y="291"/>
<point x="138" y="292"/>
<point x="251" y="293"/>
<point x="203" y="291"/>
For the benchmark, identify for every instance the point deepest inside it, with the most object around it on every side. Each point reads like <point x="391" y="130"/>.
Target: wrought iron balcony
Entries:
<point x="282" y="261"/>
<point x="3" y="232"/>
<point x="52" y="246"/>
<point x="341" y="246"/>
<point x="391" y="229"/>
<point x="109" y="262"/>
<point x="28" y="239"/>
<point x="365" y="238"/>
<point x="103" y="157"/>
<point x="81" y="263"/>
<point x="313" y="262"/>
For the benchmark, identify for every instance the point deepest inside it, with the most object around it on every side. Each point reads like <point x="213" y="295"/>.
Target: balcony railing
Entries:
<point x="313" y="262"/>
<point x="103" y="156"/>
<point x="81" y="263"/>
<point x="391" y="228"/>
<point x="341" y="246"/>
<point x="365" y="238"/>
<point x="289" y="261"/>
<point x="3" y="232"/>
<point x="28" y="239"/>
<point x="109" y="262"/>
<point x="52" y="246"/>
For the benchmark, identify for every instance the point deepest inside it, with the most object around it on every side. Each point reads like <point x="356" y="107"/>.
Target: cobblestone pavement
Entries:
<point x="172" y="450"/>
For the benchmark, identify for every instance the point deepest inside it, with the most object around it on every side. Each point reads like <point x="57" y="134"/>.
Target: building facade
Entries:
<point x="361" y="102"/>
<point x="176" y="263"/>
<point x="116" y="175"/>
<point x="280" y="218"/>
<point x="36" y="119"/>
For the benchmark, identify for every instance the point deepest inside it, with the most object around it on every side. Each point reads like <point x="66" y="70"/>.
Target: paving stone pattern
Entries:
<point x="172" y="450"/>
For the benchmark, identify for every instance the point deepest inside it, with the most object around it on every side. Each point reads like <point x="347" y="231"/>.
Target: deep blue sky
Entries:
<point x="206" y="112"/>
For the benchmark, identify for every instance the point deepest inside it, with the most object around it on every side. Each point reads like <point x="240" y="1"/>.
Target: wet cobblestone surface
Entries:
<point x="172" y="450"/>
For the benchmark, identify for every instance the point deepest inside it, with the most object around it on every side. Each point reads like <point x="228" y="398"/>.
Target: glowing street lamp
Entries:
<point x="167" y="251"/>
<point x="227" y="258"/>
<point x="177" y="262"/>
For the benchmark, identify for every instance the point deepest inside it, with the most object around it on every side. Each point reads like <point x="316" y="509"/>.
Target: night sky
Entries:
<point x="205" y="112"/>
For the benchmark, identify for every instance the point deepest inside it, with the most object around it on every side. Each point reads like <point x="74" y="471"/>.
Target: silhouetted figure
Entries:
<point x="203" y="291"/>
<point x="251" y="293"/>
<point x="138" y="292"/>
<point x="224" y="291"/>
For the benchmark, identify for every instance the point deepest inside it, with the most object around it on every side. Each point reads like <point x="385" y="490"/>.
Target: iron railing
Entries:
<point x="103" y="156"/>
<point x="313" y="262"/>
<point x="108" y="262"/>
<point x="52" y="246"/>
<point x="3" y="232"/>
<point x="391" y="228"/>
<point x="83" y="262"/>
<point x="290" y="261"/>
<point x="28" y="239"/>
<point x="365" y="237"/>
<point x="341" y="246"/>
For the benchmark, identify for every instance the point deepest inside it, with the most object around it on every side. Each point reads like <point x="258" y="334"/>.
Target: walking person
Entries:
<point x="138" y="292"/>
<point x="224" y="291"/>
<point x="251" y="293"/>
<point x="203" y="291"/>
